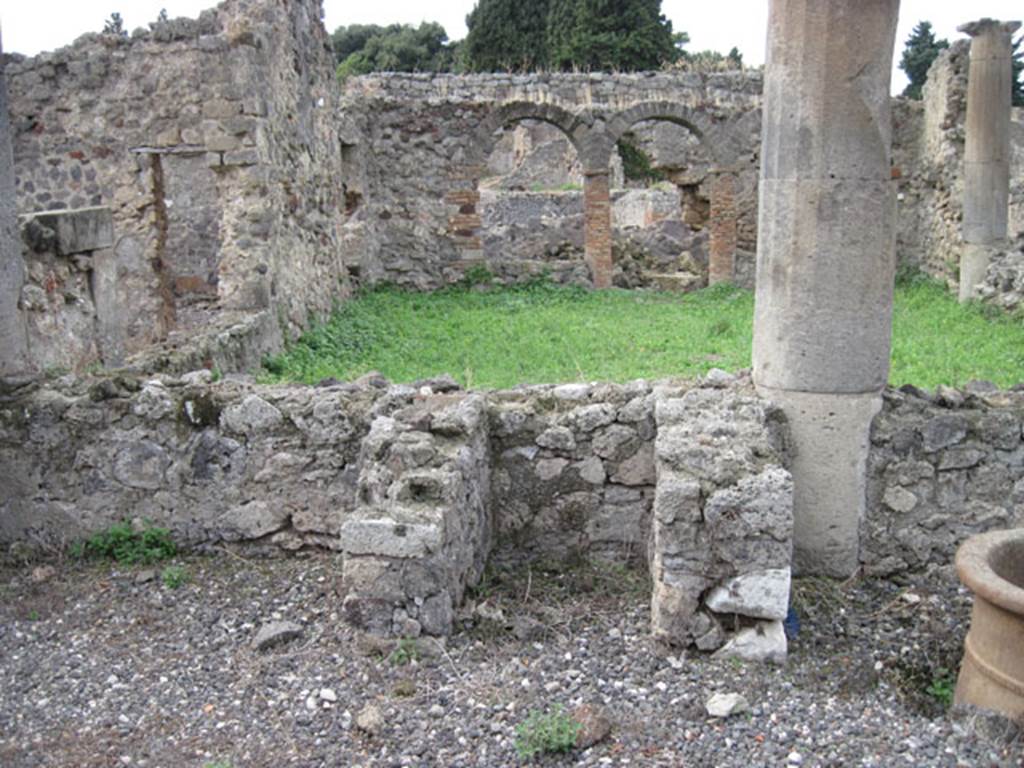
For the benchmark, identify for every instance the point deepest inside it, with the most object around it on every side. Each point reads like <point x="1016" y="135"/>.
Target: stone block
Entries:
<point x="765" y="641"/>
<point x="252" y="520"/>
<point x="390" y="537"/>
<point x="252" y="416"/>
<point x="79" y="230"/>
<point x="218" y="109"/>
<point x="762" y="594"/>
<point x="241" y="157"/>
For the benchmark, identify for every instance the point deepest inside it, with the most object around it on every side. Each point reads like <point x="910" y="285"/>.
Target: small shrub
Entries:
<point x="942" y="686"/>
<point x="478" y="274"/>
<point x="405" y="652"/>
<point x="174" y="576"/>
<point x="540" y="733"/>
<point x="636" y="164"/>
<point x="123" y="544"/>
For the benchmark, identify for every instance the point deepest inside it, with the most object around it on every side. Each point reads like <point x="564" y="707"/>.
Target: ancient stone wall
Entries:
<point x="573" y="471"/>
<point x="214" y="143"/>
<point x="928" y="149"/>
<point x="528" y="234"/>
<point x="423" y="143"/>
<point x="69" y="297"/>
<point x="942" y="466"/>
<point x="566" y="471"/>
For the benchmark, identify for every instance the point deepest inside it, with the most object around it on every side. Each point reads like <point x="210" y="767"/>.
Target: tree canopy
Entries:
<point x="507" y="35"/>
<point x="363" y="48"/>
<point x="525" y="35"/>
<point x="920" y="50"/>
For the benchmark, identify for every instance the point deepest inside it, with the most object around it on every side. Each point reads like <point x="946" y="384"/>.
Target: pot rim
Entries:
<point x="973" y="565"/>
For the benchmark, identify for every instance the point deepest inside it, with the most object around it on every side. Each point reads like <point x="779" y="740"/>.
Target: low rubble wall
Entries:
<point x="418" y="485"/>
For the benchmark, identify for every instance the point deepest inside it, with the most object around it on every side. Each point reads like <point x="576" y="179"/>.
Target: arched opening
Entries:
<point x="660" y="213"/>
<point x="694" y="219"/>
<point x="531" y="199"/>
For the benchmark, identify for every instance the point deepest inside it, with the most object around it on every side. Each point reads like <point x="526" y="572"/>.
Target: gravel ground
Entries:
<point x="97" y="669"/>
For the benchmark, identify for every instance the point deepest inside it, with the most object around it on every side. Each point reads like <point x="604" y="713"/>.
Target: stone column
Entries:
<point x="722" y="223"/>
<point x="597" y="227"/>
<point x="987" y="153"/>
<point x="825" y="256"/>
<point x="13" y="334"/>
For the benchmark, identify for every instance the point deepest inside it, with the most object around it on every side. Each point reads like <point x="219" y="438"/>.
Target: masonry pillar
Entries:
<point x="825" y="256"/>
<point x="597" y="227"/>
<point x="987" y="151"/>
<point x="13" y="334"/>
<point x="722" y="223"/>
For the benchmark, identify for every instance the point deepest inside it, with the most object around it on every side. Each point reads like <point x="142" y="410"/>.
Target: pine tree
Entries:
<point x="506" y="36"/>
<point x="624" y="35"/>
<point x="921" y="50"/>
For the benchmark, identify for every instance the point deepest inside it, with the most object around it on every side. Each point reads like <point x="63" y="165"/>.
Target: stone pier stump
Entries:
<point x="825" y="256"/>
<point x="987" y="151"/>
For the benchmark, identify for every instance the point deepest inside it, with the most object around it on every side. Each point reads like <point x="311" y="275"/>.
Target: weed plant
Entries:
<point x="406" y="652"/>
<point x="541" y="733"/>
<point x="174" y="576"/>
<point x="492" y="336"/>
<point x="124" y="544"/>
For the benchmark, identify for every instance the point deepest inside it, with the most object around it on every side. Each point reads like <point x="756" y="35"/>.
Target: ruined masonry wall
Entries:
<point x="942" y="466"/>
<point x="213" y="141"/>
<point x="928" y="149"/>
<point x="571" y="468"/>
<point x="416" y="161"/>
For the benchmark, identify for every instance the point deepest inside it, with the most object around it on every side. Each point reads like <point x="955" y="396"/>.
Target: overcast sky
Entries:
<point x="31" y="26"/>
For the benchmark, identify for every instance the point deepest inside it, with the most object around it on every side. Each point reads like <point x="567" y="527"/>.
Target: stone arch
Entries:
<point x="667" y="111"/>
<point x="722" y="153"/>
<point x="513" y="112"/>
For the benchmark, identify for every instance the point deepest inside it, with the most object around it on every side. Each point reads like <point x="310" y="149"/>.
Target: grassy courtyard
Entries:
<point x="499" y="337"/>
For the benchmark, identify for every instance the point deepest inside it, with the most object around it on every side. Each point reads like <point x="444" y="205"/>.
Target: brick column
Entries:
<point x="464" y="222"/>
<point x="722" y="224"/>
<point x="597" y="228"/>
<point x="987" y="150"/>
<point x="825" y="256"/>
<point x="13" y="333"/>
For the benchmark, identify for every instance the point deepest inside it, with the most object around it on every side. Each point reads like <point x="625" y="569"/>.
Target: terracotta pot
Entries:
<point x="992" y="672"/>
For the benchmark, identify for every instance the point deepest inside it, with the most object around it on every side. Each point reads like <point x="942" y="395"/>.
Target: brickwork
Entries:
<point x="723" y="225"/>
<point x="597" y="228"/>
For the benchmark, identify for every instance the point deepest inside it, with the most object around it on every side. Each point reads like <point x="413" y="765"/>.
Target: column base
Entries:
<point x="974" y="261"/>
<point x="830" y="440"/>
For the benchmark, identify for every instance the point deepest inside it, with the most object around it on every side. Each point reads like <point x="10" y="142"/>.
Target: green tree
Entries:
<point x="396" y="48"/>
<point x="506" y="36"/>
<point x="920" y="50"/>
<point x="352" y="39"/>
<point x="624" y="35"/>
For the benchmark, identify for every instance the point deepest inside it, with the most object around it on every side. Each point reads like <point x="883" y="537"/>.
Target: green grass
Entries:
<point x="938" y="341"/>
<point x="540" y="333"/>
